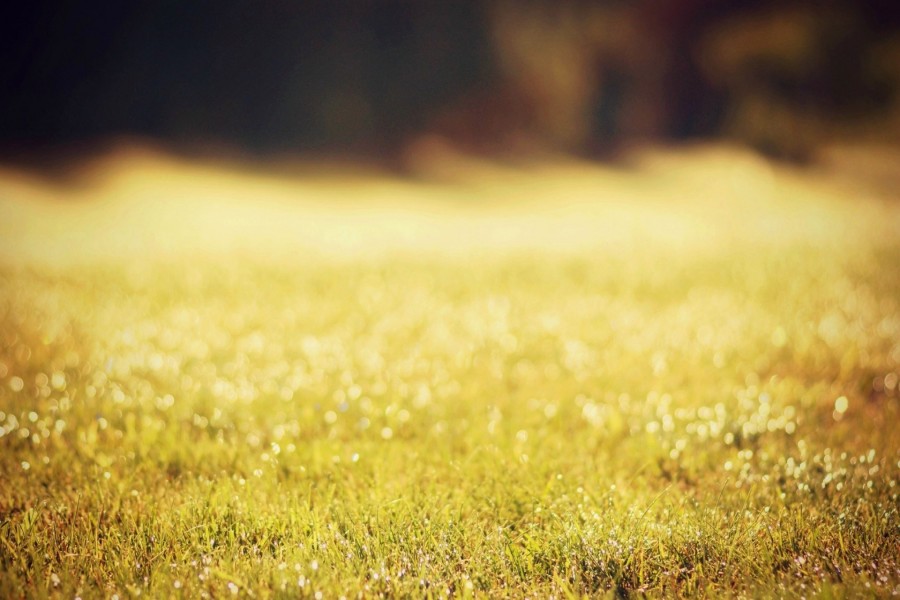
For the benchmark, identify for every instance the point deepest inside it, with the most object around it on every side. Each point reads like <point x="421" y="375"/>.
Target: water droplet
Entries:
<point x="58" y="381"/>
<point x="841" y="405"/>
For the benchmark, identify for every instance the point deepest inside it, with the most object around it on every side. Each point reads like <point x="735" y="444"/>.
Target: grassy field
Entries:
<point x="681" y="381"/>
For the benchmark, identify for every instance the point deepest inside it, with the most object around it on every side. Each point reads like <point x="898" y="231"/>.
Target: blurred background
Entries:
<point x="393" y="79"/>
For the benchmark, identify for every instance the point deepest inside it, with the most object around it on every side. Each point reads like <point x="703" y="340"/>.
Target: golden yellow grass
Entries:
<point x="676" y="377"/>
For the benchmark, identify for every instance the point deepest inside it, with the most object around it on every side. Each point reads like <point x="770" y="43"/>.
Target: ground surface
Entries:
<point x="675" y="378"/>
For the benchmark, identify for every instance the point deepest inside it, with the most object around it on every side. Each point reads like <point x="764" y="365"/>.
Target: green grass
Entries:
<point x="509" y="424"/>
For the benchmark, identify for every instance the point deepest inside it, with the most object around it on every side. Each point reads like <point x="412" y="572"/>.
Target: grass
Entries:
<point x="658" y="419"/>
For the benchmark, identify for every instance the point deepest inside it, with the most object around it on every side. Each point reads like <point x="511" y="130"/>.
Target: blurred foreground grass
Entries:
<point x="679" y="379"/>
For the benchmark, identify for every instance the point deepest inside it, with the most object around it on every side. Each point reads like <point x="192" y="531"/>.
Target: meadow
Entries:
<point x="675" y="380"/>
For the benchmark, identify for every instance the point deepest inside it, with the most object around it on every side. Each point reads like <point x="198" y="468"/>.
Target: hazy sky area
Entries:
<point x="488" y="75"/>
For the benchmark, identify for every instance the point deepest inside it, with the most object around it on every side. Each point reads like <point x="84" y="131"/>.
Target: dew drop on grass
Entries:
<point x="58" y="381"/>
<point x="841" y="405"/>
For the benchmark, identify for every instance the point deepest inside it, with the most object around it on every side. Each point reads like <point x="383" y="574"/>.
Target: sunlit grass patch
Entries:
<point x="711" y="418"/>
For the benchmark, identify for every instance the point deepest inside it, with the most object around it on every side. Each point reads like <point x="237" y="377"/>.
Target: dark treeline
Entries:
<point x="277" y="72"/>
<point x="371" y="74"/>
